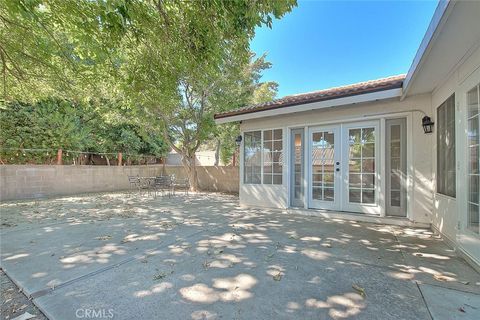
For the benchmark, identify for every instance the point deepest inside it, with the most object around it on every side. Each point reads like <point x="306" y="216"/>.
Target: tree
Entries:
<point x="163" y="58"/>
<point x="61" y="124"/>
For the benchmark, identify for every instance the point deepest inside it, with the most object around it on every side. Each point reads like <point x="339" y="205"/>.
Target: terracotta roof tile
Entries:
<point x="321" y="95"/>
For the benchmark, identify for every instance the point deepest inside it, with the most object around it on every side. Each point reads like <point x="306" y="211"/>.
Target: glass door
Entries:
<point x="360" y="167"/>
<point x="324" y="170"/>
<point x="473" y="160"/>
<point x="468" y="185"/>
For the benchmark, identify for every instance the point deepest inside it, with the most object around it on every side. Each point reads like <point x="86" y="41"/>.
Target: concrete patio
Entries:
<point x="202" y="257"/>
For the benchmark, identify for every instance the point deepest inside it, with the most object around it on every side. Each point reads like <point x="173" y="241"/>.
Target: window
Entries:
<point x="446" y="171"/>
<point x="263" y="158"/>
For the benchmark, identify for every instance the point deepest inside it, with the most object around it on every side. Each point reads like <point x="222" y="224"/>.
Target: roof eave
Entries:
<point x="342" y="101"/>
<point x="440" y="15"/>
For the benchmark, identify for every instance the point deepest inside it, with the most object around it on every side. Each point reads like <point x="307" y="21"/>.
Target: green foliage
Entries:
<point x="55" y="124"/>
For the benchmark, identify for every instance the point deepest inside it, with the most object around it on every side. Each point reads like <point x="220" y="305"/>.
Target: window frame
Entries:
<point x="441" y="185"/>
<point x="262" y="157"/>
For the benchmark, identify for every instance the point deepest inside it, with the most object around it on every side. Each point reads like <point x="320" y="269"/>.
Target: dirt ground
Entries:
<point x="14" y="302"/>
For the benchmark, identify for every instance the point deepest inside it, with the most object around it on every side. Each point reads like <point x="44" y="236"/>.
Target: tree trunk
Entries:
<point x="217" y="153"/>
<point x="108" y="160"/>
<point x="190" y="167"/>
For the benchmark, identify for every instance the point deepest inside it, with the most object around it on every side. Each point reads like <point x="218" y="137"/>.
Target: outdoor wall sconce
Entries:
<point x="427" y="124"/>
<point x="238" y="140"/>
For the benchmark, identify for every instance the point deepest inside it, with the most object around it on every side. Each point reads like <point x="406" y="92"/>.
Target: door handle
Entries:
<point x="338" y="163"/>
<point x="338" y="169"/>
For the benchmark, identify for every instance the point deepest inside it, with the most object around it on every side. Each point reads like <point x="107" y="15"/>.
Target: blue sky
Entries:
<point x="323" y="44"/>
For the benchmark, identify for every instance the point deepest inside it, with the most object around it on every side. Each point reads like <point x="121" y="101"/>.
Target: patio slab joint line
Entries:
<point x="424" y="301"/>
<point x="43" y="292"/>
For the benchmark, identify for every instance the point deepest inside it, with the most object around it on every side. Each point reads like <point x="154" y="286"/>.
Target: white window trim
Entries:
<point x="262" y="156"/>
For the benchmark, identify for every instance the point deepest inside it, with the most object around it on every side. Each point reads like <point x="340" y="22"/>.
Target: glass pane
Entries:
<point x="395" y="182"/>
<point x="473" y="217"/>
<point x="473" y="159"/>
<point x="368" y="135"/>
<point x="395" y="198"/>
<point x="267" y="169"/>
<point x="355" y="165"/>
<point x="277" y="146"/>
<point x="277" y="134"/>
<point x="368" y="180"/>
<point x="355" y="136"/>
<point x="328" y="194"/>
<point x="277" y="179"/>
<point x="446" y="165"/>
<point x="267" y="146"/>
<point x="277" y="156"/>
<point x="472" y="102"/>
<point x="368" y="150"/>
<point x="267" y="178"/>
<point x="298" y="192"/>
<point x="317" y="180"/>
<point x="355" y="180"/>
<point x="354" y="195"/>
<point x="317" y="193"/>
<point x="474" y="188"/>
<point x="329" y="139"/>
<point x="355" y="151"/>
<point x="328" y="179"/>
<point x="277" y="167"/>
<point x="368" y="165"/>
<point x="472" y="133"/>
<point x="267" y="135"/>
<point x="395" y="133"/>
<point x="368" y="196"/>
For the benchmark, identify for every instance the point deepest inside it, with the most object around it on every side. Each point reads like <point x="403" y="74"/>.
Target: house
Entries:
<point x="400" y="150"/>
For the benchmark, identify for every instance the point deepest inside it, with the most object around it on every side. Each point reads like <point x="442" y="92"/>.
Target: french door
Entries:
<point x="343" y="167"/>
<point x="325" y="179"/>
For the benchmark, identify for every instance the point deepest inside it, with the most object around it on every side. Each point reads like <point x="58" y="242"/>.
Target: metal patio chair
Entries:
<point x="163" y="184"/>
<point x="181" y="184"/>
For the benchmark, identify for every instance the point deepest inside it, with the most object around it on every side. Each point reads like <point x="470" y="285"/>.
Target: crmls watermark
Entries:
<point x="99" y="313"/>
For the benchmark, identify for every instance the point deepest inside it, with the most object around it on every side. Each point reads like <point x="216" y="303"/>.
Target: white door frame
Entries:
<point x="354" y="207"/>
<point x="468" y="240"/>
<point x="327" y="205"/>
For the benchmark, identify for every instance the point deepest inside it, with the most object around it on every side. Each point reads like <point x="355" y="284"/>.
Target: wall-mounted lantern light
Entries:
<point x="427" y="124"/>
<point x="238" y="140"/>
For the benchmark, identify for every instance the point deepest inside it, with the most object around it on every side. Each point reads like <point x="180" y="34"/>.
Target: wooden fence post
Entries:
<point x="59" y="156"/>
<point x="119" y="158"/>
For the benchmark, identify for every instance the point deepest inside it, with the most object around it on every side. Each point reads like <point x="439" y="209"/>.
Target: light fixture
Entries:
<point x="427" y="124"/>
<point x="238" y="140"/>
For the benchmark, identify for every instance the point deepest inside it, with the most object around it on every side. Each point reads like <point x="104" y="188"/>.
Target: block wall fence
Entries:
<point x="43" y="181"/>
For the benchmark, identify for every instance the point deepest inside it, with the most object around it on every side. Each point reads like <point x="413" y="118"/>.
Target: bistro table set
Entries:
<point x="165" y="184"/>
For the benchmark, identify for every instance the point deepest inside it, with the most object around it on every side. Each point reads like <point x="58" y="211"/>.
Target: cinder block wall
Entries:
<point x="38" y="181"/>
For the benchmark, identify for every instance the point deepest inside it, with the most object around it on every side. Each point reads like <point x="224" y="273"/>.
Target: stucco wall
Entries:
<point x="36" y="181"/>
<point x="419" y="149"/>
<point x="449" y="212"/>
